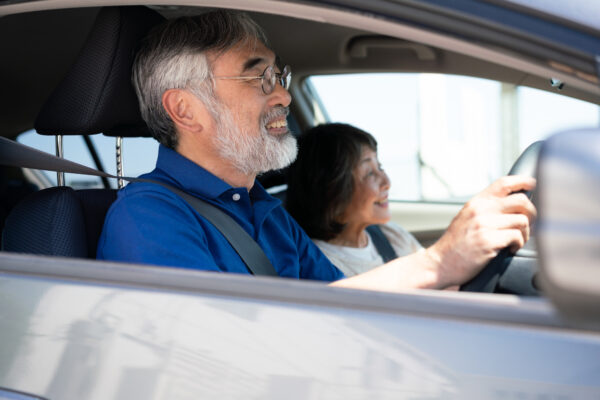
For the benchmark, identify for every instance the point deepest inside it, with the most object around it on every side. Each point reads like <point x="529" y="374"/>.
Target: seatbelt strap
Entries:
<point x="18" y="155"/>
<point x="249" y="251"/>
<point x="382" y="244"/>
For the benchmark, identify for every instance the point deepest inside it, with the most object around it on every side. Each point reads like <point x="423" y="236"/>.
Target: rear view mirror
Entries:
<point x="568" y="225"/>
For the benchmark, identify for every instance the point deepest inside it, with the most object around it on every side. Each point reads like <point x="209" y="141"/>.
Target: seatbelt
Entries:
<point x="18" y="155"/>
<point x="249" y="251"/>
<point x="382" y="244"/>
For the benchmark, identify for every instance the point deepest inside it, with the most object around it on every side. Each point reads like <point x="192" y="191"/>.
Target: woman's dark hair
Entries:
<point x="320" y="181"/>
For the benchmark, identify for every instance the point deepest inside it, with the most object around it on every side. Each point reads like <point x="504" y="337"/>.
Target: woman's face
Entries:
<point x="369" y="203"/>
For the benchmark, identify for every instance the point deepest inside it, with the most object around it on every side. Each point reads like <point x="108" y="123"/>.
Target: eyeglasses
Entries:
<point x="269" y="78"/>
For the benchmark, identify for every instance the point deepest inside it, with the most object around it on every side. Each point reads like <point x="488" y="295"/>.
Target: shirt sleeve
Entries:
<point x="154" y="228"/>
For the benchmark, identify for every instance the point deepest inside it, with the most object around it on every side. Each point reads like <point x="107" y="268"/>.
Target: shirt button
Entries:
<point x="236" y="196"/>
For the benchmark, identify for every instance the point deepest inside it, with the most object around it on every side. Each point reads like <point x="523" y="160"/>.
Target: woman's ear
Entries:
<point x="186" y="111"/>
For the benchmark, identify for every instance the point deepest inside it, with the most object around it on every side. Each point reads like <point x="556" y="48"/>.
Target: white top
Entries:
<point x="356" y="260"/>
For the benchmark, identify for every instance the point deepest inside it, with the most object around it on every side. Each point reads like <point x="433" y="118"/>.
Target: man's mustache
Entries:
<point x="274" y="113"/>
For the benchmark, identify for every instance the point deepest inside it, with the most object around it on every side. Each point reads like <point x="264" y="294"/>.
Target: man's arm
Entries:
<point x="496" y="218"/>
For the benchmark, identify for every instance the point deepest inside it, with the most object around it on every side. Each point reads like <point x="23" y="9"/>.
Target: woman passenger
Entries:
<point x="336" y="189"/>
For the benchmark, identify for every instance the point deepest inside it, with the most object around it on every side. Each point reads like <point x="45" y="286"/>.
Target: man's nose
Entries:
<point x="280" y="96"/>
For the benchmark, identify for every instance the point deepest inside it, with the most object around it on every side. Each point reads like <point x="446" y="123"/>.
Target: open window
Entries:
<point x="444" y="137"/>
<point x="139" y="157"/>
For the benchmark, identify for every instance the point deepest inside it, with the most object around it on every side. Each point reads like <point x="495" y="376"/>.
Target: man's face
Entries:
<point x="251" y="127"/>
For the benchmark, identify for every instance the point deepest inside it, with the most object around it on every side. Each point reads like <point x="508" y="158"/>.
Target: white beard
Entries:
<point x="250" y="153"/>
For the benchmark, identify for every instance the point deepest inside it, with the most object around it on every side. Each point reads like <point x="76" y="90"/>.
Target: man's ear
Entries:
<point x="185" y="109"/>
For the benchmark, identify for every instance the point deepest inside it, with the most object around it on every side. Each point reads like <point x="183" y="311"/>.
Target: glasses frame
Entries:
<point x="268" y="79"/>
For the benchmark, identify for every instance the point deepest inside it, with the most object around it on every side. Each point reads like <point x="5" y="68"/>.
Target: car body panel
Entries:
<point x="150" y="337"/>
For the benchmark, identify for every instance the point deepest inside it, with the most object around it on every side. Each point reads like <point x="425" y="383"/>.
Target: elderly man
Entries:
<point x="214" y="96"/>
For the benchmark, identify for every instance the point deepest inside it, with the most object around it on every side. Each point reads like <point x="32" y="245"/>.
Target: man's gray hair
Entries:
<point x="173" y="56"/>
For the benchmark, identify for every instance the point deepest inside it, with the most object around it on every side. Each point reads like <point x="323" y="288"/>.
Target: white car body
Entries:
<point x="99" y="331"/>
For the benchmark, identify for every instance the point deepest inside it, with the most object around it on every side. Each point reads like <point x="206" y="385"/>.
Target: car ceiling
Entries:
<point x="38" y="48"/>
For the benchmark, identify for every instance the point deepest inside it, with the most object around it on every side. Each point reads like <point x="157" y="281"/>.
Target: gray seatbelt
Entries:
<point x="18" y="155"/>
<point x="249" y="251"/>
<point x="382" y="244"/>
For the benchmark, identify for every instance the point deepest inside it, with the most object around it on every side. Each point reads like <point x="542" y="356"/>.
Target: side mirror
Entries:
<point x="568" y="224"/>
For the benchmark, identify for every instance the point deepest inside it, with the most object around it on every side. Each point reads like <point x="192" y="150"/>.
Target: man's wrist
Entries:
<point x="435" y="266"/>
<point x="428" y="265"/>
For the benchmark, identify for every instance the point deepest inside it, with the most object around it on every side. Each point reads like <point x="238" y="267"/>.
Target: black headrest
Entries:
<point x="96" y="95"/>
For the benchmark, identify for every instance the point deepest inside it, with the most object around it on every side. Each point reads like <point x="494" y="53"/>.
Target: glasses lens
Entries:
<point x="286" y="77"/>
<point x="269" y="79"/>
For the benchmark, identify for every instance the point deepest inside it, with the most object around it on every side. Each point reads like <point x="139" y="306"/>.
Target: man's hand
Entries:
<point x="498" y="217"/>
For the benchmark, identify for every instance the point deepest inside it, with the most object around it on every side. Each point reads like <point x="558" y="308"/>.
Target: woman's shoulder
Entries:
<point x="349" y="260"/>
<point x="402" y="240"/>
<point x="392" y="228"/>
<point x="336" y="249"/>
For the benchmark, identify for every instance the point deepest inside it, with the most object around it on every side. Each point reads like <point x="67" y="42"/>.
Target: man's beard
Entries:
<point x="249" y="152"/>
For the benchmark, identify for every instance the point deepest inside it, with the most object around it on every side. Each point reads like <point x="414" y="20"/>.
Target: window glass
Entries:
<point x="542" y="113"/>
<point x="446" y="137"/>
<point x="139" y="156"/>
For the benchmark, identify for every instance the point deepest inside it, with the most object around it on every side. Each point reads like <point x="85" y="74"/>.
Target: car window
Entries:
<point x="139" y="156"/>
<point x="445" y="137"/>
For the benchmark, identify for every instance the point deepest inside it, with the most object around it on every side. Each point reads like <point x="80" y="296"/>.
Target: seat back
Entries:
<point x="58" y="221"/>
<point x="96" y="96"/>
<point x="14" y="187"/>
<point x="95" y="204"/>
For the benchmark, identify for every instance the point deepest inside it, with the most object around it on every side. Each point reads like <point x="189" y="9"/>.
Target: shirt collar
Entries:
<point x="194" y="179"/>
<point x="188" y="175"/>
<point x="258" y="193"/>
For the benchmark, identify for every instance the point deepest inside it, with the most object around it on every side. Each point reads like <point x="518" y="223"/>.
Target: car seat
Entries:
<point x="58" y="221"/>
<point x="96" y="96"/>
<point x="13" y="188"/>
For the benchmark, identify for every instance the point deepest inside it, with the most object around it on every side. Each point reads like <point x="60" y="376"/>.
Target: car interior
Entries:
<point x="67" y="72"/>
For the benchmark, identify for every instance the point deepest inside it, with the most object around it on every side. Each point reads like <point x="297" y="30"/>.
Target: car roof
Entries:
<point x="396" y="38"/>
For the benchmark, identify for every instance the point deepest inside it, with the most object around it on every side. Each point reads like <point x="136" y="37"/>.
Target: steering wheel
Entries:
<point x="508" y="273"/>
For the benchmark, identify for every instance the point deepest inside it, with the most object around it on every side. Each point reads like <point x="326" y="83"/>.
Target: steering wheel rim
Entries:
<point x="488" y="278"/>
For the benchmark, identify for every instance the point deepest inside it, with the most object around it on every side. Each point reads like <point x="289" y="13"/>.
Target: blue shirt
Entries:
<point x="150" y="224"/>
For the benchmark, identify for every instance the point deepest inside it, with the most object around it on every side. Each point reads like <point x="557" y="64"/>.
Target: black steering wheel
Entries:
<point x="512" y="273"/>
